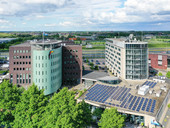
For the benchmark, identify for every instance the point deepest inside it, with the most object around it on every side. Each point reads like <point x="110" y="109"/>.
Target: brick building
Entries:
<point x="20" y="64"/>
<point x="159" y="60"/>
<point x="48" y="64"/>
<point x="72" y="63"/>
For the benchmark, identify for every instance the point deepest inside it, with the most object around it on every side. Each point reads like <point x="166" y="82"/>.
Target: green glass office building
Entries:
<point x="47" y="66"/>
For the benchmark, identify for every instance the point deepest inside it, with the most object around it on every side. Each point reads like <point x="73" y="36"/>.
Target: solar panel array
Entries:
<point x="120" y="97"/>
<point x="150" y="84"/>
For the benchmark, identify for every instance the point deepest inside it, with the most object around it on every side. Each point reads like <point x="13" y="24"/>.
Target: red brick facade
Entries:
<point x="20" y="65"/>
<point x="154" y="61"/>
<point x="72" y="64"/>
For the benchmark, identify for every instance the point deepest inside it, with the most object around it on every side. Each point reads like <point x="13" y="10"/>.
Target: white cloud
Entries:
<point x="67" y="23"/>
<point x="50" y="25"/>
<point x="3" y="21"/>
<point x="40" y="16"/>
<point x="132" y="11"/>
<point x="22" y="8"/>
<point x="85" y="13"/>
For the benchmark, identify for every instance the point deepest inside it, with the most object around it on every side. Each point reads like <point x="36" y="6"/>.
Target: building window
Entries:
<point x="14" y="68"/>
<point x="29" y="62"/>
<point x="20" y="51"/>
<point x="159" y="62"/>
<point x="14" y="51"/>
<point x="26" y="51"/>
<point x="14" y="57"/>
<point x="14" y="62"/>
<point x="23" y="51"/>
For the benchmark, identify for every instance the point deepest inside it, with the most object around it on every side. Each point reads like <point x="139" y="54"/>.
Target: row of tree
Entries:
<point x="30" y="108"/>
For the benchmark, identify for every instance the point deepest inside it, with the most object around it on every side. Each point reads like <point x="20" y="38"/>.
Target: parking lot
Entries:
<point x="99" y="62"/>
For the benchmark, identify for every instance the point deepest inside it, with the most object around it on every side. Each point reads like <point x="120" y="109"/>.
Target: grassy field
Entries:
<point x="158" y="43"/>
<point x="94" y="47"/>
<point x="5" y="35"/>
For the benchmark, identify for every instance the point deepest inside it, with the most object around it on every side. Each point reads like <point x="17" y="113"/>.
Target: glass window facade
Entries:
<point x="136" y="61"/>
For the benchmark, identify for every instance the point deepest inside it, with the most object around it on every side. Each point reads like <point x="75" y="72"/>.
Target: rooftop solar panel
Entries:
<point x="136" y="103"/>
<point x="131" y="104"/>
<point x="100" y="93"/>
<point x="128" y="102"/>
<point x="149" y="105"/>
<point x="140" y="104"/>
<point x="144" y="105"/>
<point x="153" y="106"/>
<point x="153" y="85"/>
<point x="125" y="99"/>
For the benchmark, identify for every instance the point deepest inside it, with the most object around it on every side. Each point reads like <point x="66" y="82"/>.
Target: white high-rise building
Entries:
<point x="127" y="58"/>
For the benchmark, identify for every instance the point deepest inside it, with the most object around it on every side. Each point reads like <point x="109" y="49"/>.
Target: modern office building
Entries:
<point x="148" y="108"/>
<point x="72" y="63"/>
<point x="41" y="63"/>
<point x="47" y="65"/>
<point x="20" y="64"/>
<point x="127" y="58"/>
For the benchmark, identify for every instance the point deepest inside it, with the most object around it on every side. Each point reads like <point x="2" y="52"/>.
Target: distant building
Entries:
<point x="159" y="60"/>
<point x="41" y="63"/>
<point x="5" y="40"/>
<point x="127" y="58"/>
<point x="73" y="39"/>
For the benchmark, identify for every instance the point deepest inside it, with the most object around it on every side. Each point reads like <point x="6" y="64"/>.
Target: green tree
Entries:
<point x="30" y="108"/>
<point x="96" y="67"/>
<point x="160" y="74"/>
<point x="98" y="112"/>
<point x="168" y="74"/>
<point x="111" y="119"/>
<point x="169" y="106"/>
<point x="9" y="97"/>
<point x="63" y="112"/>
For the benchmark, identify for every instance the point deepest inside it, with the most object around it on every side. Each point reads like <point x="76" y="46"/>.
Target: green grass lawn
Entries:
<point x="2" y="71"/>
<point x="5" y="35"/>
<point x="158" y="43"/>
<point x="94" y="47"/>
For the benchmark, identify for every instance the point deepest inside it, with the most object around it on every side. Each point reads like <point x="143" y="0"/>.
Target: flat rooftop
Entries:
<point x="125" y="41"/>
<point x="125" y="97"/>
<point x="94" y="75"/>
<point x="40" y="42"/>
<point x="26" y="44"/>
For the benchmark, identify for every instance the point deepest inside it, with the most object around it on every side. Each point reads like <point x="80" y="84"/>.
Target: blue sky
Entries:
<point x="84" y="15"/>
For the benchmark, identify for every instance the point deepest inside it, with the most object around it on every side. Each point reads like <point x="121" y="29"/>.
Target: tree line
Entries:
<point x="20" y="108"/>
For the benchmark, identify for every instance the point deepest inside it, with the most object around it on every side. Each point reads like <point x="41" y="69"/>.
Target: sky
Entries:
<point x="84" y="15"/>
